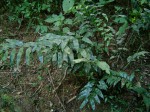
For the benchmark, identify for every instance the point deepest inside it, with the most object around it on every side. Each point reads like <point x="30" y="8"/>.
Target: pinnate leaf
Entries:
<point x="12" y="55"/>
<point x="28" y="52"/>
<point x="20" y="52"/>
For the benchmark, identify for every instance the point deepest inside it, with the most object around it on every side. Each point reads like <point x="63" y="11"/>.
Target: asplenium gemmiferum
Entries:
<point x="56" y="48"/>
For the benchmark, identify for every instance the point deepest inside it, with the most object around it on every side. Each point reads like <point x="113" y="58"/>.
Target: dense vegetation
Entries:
<point x="104" y="42"/>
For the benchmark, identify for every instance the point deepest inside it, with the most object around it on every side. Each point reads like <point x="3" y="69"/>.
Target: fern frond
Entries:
<point x="91" y="93"/>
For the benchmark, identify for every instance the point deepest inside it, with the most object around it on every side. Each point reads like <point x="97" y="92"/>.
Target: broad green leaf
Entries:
<point x="67" y="5"/>
<point x="20" y="52"/>
<point x="97" y="99"/>
<point x="12" y="56"/>
<point x="87" y="67"/>
<point x="59" y="59"/>
<point x="105" y="16"/>
<point x="89" y="84"/>
<point x="5" y="56"/>
<point x="131" y="77"/>
<point x="80" y="60"/>
<point x="123" y="74"/>
<point x="67" y="50"/>
<point x="123" y="82"/>
<point x="57" y="41"/>
<point x="143" y="1"/>
<point x="71" y="58"/>
<point x="15" y="42"/>
<point x="44" y="28"/>
<point x="76" y="44"/>
<point x="102" y="85"/>
<point x="146" y="100"/>
<point x="99" y="92"/>
<point x="41" y="58"/>
<point x="54" y="57"/>
<point x="85" y="93"/>
<point x="68" y="21"/>
<point x="76" y="68"/>
<point x="1" y="51"/>
<point x="65" y="57"/>
<point x="87" y="40"/>
<point x="140" y="90"/>
<point x="55" y="19"/>
<point x="122" y="28"/>
<point x="82" y="95"/>
<point x="29" y="44"/>
<point x="50" y="20"/>
<point x="63" y="44"/>
<point x="104" y="66"/>
<point x="136" y="56"/>
<point x="66" y="30"/>
<point x="83" y="53"/>
<point x="58" y="23"/>
<point x="116" y="80"/>
<point x="28" y="52"/>
<point x="92" y="103"/>
<point x="104" y="2"/>
<point x="120" y="19"/>
<point x="84" y="103"/>
<point x="34" y="48"/>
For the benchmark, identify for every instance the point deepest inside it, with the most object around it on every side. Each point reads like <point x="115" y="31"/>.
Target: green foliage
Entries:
<point x="53" y="48"/>
<point x="104" y="66"/>
<point x="120" y="77"/>
<point x="26" y="10"/>
<point x="136" y="56"/>
<point x="57" y="21"/>
<point x="67" y="5"/>
<point x="92" y="92"/>
<point x="68" y="50"/>
<point x="84" y="34"/>
<point x="121" y="19"/>
<point x="145" y="94"/>
<point x="94" y="27"/>
<point x="140" y="15"/>
<point x="8" y="103"/>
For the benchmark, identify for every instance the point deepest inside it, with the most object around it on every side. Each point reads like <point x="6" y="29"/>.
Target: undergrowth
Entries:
<point x="99" y="40"/>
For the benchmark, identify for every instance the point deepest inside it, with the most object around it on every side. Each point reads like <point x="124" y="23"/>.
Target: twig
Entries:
<point x="71" y="99"/>
<point x="39" y="88"/>
<point x="65" y="73"/>
<point x="6" y="85"/>
<point x="54" y="91"/>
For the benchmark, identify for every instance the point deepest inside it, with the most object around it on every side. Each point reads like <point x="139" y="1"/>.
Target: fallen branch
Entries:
<point x="65" y="73"/>
<point x="54" y="91"/>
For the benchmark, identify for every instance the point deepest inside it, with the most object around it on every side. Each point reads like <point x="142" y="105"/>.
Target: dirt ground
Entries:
<point x="39" y="91"/>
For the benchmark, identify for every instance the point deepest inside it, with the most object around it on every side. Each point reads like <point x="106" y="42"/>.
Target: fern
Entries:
<point x="136" y="56"/>
<point x="115" y="77"/>
<point x="145" y="95"/>
<point x="49" y="43"/>
<point x="52" y="48"/>
<point x="92" y="93"/>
